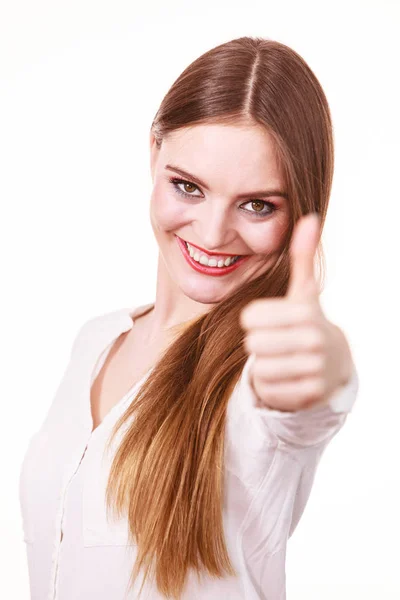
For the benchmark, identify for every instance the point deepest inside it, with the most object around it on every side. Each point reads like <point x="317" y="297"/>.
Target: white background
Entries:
<point x="80" y="84"/>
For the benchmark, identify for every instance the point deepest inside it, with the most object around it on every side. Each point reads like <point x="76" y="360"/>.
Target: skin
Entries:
<point x="233" y="160"/>
<point x="230" y="160"/>
<point x="301" y="358"/>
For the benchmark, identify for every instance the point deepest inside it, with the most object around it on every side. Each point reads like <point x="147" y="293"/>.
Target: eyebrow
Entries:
<point x="256" y="194"/>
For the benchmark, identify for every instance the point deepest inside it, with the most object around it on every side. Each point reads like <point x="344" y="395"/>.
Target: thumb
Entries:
<point x="303" y="247"/>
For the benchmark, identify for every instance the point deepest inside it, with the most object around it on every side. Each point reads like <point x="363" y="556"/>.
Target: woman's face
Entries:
<point x="229" y="212"/>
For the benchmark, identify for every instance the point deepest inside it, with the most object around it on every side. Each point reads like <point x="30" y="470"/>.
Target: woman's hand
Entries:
<point x="301" y="358"/>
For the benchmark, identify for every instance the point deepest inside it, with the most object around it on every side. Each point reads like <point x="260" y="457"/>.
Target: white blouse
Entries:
<point x="270" y="462"/>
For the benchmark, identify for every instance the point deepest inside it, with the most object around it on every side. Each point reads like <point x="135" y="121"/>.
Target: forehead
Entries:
<point x="217" y="151"/>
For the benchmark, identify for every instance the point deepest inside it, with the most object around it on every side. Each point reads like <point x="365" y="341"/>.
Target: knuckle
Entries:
<point x="243" y="318"/>
<point x="260" y="369"/>
<point x="318" y="363"/>
<point x="246" y="315"/>
<point x="319" y="386"/>
<point x="270" y="395"/>
<point x="305" y="312"/>
<point x="314" y="391"/>
<point x="316" y="339"/>
<point x="250" y="342"/>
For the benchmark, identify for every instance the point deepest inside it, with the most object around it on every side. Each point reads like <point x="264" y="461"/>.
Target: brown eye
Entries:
<point x="259" y="204"/>
<point x="190" y="185"/>
<point x="260" y="208"/>
<point x="187" y="184"/>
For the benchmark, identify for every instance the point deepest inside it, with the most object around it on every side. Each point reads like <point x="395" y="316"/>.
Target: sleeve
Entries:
<point x="302" y="428"/>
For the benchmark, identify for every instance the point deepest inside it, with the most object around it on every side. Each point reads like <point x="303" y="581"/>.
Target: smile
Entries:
<point x="209" y="263"/>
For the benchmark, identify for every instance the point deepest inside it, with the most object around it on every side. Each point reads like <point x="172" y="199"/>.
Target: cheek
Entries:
<point x="166" y="210"/>
<point x="269" y="237"/>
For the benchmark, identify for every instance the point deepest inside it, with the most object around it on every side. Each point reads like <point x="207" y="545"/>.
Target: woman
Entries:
<point x="179" y="452"/>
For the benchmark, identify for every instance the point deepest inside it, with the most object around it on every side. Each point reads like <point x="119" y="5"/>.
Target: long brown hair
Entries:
<point x="167" y="473"/>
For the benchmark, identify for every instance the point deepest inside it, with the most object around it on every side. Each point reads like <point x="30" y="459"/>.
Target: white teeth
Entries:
<point x="210" y="262"/>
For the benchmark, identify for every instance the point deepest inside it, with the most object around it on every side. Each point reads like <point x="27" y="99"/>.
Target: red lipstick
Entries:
<point x="204" y="269"/>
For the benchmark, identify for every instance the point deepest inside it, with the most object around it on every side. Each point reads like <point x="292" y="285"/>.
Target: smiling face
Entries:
<point x="211" y="187"/>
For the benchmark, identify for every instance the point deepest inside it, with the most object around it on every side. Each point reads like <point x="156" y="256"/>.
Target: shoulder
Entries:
<point x="100" y="326"/>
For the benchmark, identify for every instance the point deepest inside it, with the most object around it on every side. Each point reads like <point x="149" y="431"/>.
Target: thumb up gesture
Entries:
<point x="301" y="358"/>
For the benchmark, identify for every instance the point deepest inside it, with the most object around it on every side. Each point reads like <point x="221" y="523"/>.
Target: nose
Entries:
<point x="215" y="232"/>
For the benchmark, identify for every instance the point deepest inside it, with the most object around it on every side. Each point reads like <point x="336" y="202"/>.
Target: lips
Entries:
<point x="205" y="269"/>
<point x="216" y="255"/>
